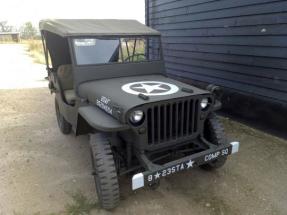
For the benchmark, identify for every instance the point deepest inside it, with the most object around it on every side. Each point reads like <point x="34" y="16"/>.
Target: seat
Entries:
<point x="70" y="96"/>
<point x="65" y="75"/>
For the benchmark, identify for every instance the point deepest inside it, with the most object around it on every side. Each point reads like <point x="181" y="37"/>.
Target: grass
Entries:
<point x="35" y="50"/>
<point x="80" y="205"/>
<point x="7" y="40"/>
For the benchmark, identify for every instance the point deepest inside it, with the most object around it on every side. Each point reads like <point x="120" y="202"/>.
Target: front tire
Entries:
<point x="104" y="171"/>
<point x="64" y="125"/>
<point x="214" y="133"/>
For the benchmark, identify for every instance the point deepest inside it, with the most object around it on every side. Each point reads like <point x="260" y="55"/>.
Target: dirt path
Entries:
<point x="18" y="70"/>
<point x="40" y="168"/>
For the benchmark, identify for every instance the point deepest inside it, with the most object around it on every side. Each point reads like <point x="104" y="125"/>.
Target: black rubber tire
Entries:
<point x="104" y="171"/>
<point x="64" y="125"/>
<point x="214" y="133"/>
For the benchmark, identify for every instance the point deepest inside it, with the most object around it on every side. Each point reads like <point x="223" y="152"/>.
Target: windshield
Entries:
<point x="116" y="50"/>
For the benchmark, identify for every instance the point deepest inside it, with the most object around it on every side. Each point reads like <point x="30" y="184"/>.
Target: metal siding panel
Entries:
<point x="226" y="22"/>
<point x="272" y="41"/>
<point x="253" y="71"/>
<point x="248" y="61"/>
<point x="272" y="7"/>
<point x="235" y="44"/>
<point x="274" y="84"/>
<point x="190" y="7"/>
<point x="234" y="84"/>
<point x="257" y="30"/>
<point x="229" y="49"/>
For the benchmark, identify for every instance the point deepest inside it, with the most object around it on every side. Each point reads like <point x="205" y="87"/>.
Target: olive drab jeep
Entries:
<point x="109" y="81"/>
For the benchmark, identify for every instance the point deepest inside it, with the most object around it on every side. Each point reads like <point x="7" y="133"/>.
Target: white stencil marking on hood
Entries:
<point x="150" y="88"/>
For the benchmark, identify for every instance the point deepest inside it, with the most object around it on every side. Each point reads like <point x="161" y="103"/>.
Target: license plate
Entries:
<point x="170" y="170"/>
<point x="187" y="164"/>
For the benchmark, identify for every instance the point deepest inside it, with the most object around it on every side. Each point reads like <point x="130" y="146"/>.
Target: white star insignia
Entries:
<point x="150" y="88"/>
<point x="156" y="176"/>
<point x="189" y="164"/>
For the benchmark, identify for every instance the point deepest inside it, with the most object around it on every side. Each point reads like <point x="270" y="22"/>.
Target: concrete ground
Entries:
<point x="40" y="167"/>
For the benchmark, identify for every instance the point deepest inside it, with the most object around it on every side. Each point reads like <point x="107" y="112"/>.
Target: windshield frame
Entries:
<point x="73" y="51"/>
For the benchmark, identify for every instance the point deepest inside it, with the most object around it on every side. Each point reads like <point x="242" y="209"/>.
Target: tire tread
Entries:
<point x="218" y="137"/>
<point x="105" y="167"/>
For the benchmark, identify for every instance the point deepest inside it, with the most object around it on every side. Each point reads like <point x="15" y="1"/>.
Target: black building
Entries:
<point x="240" y="45"/>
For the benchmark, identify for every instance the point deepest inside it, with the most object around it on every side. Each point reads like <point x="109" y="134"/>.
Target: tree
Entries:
<point x="4" y="27"/>
<point x="28" y="31"/>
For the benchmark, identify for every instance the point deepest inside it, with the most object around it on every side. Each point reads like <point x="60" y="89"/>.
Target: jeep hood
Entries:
<point x="117" y="96"/>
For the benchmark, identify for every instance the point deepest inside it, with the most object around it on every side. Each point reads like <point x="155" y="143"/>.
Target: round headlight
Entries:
<point x="136" y="117"/>
<point x="204" y="103"/>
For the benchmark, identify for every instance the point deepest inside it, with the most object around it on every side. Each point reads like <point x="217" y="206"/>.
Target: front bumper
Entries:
<point x="156" y="172"/>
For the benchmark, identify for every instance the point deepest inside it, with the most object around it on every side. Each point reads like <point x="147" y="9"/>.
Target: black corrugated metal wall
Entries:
<point x="237" y="44"/>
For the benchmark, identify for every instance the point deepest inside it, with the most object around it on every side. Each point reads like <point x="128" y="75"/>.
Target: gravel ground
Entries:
<point x="40" y="168"/>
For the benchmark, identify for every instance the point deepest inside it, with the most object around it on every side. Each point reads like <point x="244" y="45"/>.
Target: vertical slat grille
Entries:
<point x="172" y="121"/>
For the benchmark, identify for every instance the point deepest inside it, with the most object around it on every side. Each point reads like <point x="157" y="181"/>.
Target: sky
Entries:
<point x="17" y="12"/>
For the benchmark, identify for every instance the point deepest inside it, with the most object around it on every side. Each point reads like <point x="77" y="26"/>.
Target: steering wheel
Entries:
<point x="134" y="57"/>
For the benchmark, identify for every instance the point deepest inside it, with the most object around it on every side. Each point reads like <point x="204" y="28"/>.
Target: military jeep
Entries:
<point x="109" y="81"/>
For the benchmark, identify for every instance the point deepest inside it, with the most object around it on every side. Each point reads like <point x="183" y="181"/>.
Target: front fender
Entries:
<point x="100" y="120"/>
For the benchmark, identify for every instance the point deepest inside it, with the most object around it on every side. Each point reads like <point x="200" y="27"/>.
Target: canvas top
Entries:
<point x="96" y="27"/>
